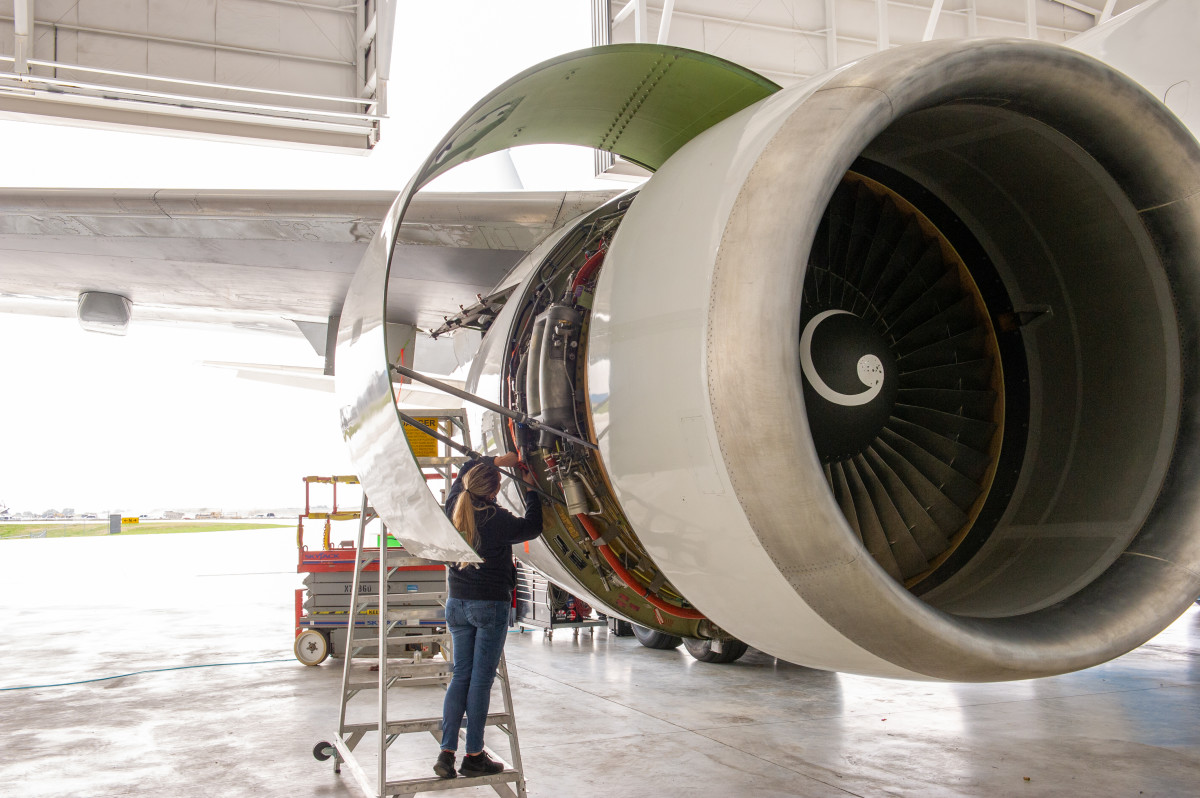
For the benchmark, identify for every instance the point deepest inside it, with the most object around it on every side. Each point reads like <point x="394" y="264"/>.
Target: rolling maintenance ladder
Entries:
<point x="404" y="667"/>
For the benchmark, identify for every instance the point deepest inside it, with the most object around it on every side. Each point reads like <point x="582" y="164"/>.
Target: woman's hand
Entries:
<point x="529" y="478"/>
<point x="507" y="459"/>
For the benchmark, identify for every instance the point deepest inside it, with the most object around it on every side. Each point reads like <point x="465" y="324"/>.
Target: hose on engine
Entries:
<point x="631" y="581"/>
<point x="586" y="270"/>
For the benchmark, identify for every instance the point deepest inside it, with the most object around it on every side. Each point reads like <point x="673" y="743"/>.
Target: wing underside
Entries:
<point x="261" y="259"/>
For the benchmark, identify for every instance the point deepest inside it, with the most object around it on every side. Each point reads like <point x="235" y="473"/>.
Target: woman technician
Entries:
<point x="478" y="605"/>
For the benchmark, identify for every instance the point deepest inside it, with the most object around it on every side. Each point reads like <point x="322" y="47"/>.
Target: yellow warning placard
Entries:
<point x="131" y="520"/>
<point x="422" y="443"/>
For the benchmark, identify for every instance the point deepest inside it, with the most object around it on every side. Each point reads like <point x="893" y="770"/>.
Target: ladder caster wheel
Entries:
<point x="323" y="750"/>
<point x="311" y="647"/>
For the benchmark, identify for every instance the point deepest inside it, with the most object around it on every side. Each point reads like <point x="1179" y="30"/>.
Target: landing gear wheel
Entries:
<point x="730" y="650"/>
<point x="311" y="647"/>
<point x="654" y="639"/>
<point x="323" y="750"/>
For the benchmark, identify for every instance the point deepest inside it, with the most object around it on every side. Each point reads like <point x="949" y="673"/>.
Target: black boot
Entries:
<point x="480" y="765"/>
<point x="444" y="766"/>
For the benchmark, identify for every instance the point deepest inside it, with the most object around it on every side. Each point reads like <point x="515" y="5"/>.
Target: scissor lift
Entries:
<point x="322" y="614"/>
<point x="321" y="605"/>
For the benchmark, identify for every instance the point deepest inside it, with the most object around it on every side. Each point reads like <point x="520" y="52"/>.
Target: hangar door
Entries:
<point x="309" y="72"/>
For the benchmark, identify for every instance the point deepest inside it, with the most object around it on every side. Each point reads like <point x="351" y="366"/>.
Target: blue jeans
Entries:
<point x="479" y="629"/>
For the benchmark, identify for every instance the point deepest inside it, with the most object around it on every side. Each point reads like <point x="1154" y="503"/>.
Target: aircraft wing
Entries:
<point x="261" y="259"/>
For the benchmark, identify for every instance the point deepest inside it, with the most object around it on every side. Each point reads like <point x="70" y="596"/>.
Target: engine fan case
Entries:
<point x="696" y="394"/>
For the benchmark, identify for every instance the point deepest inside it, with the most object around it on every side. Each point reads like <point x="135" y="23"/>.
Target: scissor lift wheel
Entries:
<point x="311" y="647"/>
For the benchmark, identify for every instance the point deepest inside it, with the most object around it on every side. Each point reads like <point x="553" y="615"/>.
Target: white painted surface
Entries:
<point x="1156" y="45"/>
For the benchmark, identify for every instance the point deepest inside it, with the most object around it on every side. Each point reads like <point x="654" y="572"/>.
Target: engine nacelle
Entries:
<point x="1018" y="506"/>
<point x="893" y="372"/>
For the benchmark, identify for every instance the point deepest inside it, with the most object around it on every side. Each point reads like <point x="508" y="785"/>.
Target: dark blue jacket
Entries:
<point x="495" y="578"/>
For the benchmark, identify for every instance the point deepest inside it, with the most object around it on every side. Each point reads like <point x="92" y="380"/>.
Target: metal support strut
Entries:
<point x="519" y="417"/>
<point x="458" y="447"/>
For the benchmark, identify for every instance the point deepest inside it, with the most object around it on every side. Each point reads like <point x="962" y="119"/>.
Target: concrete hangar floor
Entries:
<point x="598" y="714"/>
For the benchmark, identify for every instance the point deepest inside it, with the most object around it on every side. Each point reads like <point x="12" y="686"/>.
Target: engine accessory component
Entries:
<point x="577" y="500"/>
<point x="550" y="390"/>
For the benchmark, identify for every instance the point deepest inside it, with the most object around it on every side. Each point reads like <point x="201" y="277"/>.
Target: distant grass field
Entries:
<point x="22" y="530"/>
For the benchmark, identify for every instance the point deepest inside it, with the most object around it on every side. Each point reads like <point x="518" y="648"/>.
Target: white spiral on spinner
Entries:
<point x="870" y="369"/>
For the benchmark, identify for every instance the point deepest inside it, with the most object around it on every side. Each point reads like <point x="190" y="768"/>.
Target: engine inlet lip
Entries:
<point x="1156" y="163"/>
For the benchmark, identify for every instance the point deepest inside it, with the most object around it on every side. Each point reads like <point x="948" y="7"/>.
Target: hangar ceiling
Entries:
<point x="790" y="40"/>
<point x="315" y="72"/>
<point x="310" y="72"/>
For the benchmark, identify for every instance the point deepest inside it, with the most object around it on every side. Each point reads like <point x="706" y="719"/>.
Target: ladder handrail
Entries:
<point x="350" y="625"/>
<point x="406" y="672"/>
<point x="384" y="575"/>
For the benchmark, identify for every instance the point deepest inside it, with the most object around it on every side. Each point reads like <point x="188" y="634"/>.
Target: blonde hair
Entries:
<point x="480" y="484"/>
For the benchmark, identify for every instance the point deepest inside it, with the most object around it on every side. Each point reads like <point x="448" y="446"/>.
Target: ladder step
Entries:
<point x="435" y="612"/>
<point x="372" y="652"/>
<point x="404" y="598"/>
<point x="411" y="786"/>
<point x="417" y="681"/>
<point x="420" y="725"/>
<point x="405" y="668"/>
<point x="374" y="639"/>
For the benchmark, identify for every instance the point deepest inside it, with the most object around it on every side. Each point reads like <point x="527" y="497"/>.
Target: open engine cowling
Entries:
<point x="893" y="372"/>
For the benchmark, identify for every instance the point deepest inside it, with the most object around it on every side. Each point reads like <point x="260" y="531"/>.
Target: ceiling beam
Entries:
<point x="1106" y="14"/>
<point x="882" y="32"/>
<point x="969" y="11"/>
<point x="664" y="25"/>
<point x="830" y="34"/>
<point x="1078" y="6"/>
<point x="741" y="23"/>
<point x="22" y="35"/>
<point x="988" y="18"/>
<point x="624" y="13"/>
<point x="934" y="12"/>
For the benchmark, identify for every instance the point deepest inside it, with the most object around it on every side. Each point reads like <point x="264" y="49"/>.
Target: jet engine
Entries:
<point x="893" y="372"/>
